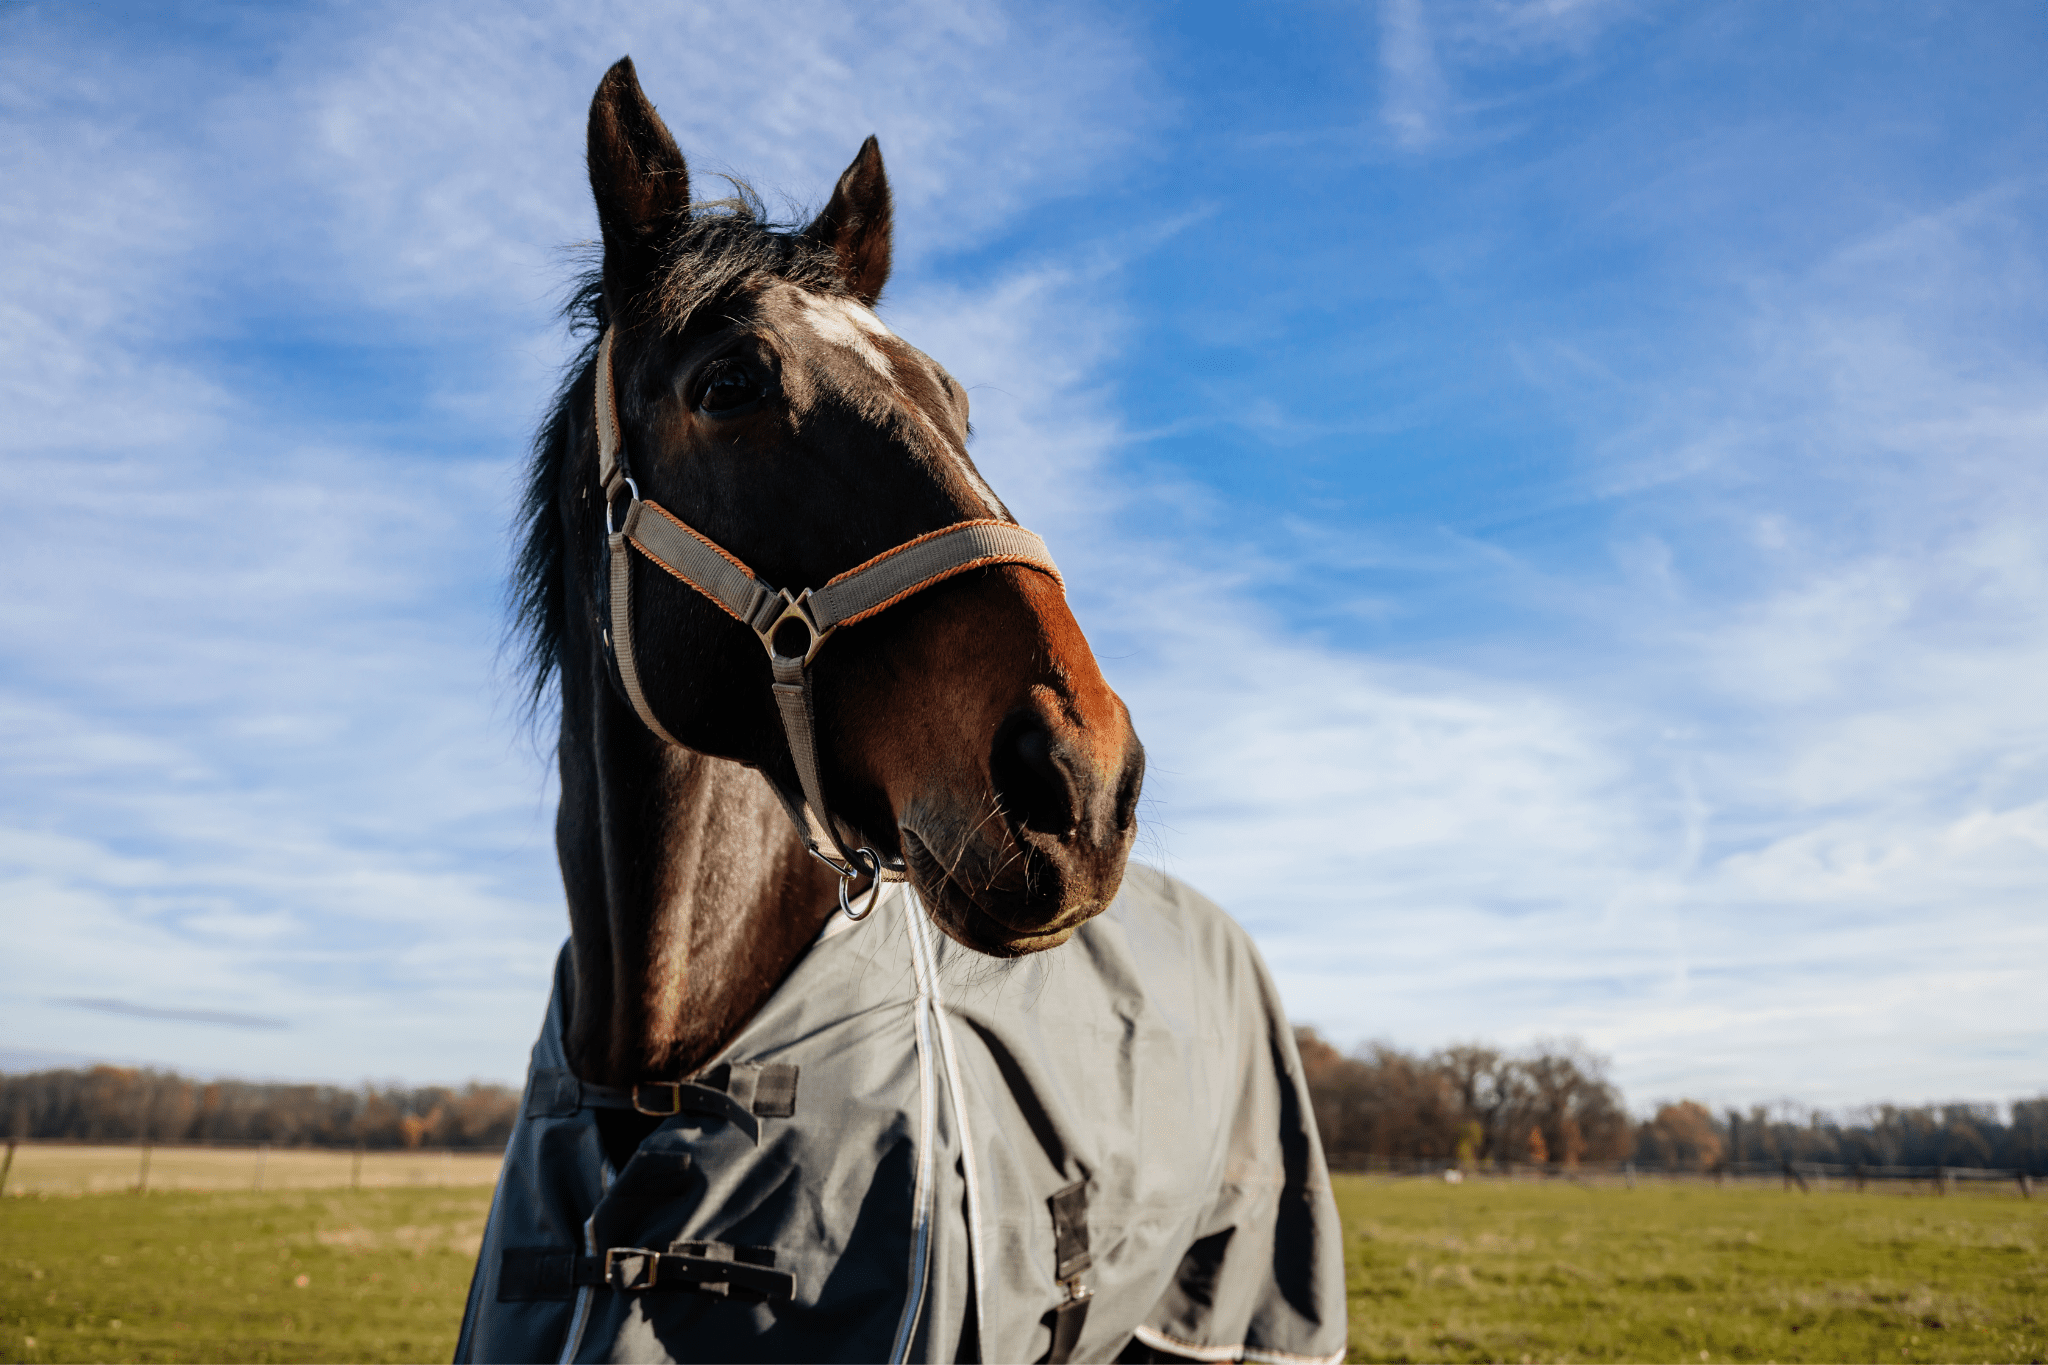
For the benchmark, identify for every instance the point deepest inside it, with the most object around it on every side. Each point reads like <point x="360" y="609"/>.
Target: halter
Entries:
<point x="792" y="627"/>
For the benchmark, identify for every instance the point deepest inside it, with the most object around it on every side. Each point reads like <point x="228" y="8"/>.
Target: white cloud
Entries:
<point x="260" y="760"/>
<point x="1425" y="49"/>
<point x="1776" y="829"/>
<point x="1765" y="818"/>
<point x="1412" y="102"/>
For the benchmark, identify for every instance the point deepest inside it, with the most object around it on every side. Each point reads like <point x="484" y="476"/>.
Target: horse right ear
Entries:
<point x="855" y="224"/>
<point x="637" y="175"/>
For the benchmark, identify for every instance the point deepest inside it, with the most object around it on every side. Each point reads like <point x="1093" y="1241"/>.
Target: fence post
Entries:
<point x="1629" y="1170"/>
<point x="2026" y="1181"/>
<point x="8" y="1165"/>
<point x="262" y="1160"/>
<point x="355" y="1176"/>
<point x="142" y="1181"/>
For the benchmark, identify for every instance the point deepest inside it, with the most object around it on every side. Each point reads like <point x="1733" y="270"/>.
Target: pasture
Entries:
<point x="1690" y="1272"/>
<point x="1487" y="1270"/>
<point x="338" y="1274"/>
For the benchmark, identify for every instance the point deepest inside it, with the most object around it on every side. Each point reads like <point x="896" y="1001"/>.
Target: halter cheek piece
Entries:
<point x="793" y="628"/>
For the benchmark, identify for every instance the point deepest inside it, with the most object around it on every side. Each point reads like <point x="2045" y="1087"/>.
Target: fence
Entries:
<point x="67" y="1167"/>
<point x="1942" y="1179"/>
<point x="1807" y="1176"/>
<point x="86" y="1168"/>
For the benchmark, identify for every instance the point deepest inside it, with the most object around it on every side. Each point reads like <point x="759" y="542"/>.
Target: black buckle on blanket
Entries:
<point x="631" y="1268"/>
<point x="767" y="1092"/>
<point x="675" y="1098"/>
<point x="1071" y="1258"/>
<point x="719" y="1269"/>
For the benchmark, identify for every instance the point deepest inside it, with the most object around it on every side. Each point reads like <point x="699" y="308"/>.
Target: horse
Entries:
<point x="868" y="1040"/>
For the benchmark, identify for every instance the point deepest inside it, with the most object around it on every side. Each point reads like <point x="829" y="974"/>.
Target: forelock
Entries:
<point x="723" y="246"/>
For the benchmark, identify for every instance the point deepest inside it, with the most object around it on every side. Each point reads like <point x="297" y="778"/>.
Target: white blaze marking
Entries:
<point x="989" y="499"/>
<point x="845" y="323"/>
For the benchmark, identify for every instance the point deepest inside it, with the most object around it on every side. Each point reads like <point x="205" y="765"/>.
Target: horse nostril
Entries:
<point x="1127" y="789"/>
<point x="1031" y="786"/>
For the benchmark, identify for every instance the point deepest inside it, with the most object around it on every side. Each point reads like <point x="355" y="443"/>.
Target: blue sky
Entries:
<point x="1561" y="485"/>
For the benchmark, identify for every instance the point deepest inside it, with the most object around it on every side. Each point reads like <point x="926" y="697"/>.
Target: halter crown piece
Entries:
<point x="792" y="627"/>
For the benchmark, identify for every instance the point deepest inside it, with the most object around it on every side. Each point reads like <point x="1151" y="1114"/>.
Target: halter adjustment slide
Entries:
<point x="798" y="610"/>
<point x="611" y="495"/>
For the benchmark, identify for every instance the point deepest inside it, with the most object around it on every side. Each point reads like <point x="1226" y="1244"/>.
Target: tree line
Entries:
<point x="1554" y="1105"/>
<point x="129" y="1105"/>
<point x="1962" y="1136"/>
<point x="1378" y="1106"/>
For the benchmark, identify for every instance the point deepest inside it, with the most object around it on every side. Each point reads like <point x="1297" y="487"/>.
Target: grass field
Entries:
<point x="1690" y="1272"/>
<point x="373" y="1274"/>
<point x="1480" y="1271"/>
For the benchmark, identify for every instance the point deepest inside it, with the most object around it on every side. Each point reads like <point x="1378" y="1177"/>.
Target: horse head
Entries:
<point x="964" y="732"/>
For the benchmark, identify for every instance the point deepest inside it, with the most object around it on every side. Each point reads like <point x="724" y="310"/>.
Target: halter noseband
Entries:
<point x="801" y="622"/>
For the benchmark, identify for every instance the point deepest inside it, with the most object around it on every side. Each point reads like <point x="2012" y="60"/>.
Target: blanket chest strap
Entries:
<point x="715" y="1268"/>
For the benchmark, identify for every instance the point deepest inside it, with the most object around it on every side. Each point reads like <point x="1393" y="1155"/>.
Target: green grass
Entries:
<point x="1481" y="1271"/>
<point x="217" y="1276"/>
<point x="1560" y="1271"/>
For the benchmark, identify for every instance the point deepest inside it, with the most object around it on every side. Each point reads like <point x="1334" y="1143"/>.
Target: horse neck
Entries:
<point x="689" y="894"/>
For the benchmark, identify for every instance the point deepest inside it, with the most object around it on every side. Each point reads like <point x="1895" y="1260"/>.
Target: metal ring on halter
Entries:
<point x="797" y="609"/>
<point x="874" y="869"/>
<point x="631" y="487"/>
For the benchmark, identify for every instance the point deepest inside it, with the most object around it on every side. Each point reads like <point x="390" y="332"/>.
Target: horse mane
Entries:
<point x="715" y="249"/>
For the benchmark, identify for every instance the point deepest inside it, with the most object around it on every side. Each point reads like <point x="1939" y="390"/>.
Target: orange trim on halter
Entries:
<point x="700" y="538"/>
<point x="919" y="540"/>
<point x="986" y="561"/>
<point x="706" y="541"/>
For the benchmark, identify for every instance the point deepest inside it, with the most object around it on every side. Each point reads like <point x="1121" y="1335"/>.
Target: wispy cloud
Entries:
<point x="1754" y="796"/>
<point x="1413" y="98"/>
<point x="131" y="1010"/>
<point x="278" y="318"/>
<point x="1425" y="48"/>
<point x="1759" y="813"/>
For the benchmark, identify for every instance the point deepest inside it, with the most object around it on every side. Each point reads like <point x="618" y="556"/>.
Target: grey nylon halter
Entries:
<point x="849" y="598"/>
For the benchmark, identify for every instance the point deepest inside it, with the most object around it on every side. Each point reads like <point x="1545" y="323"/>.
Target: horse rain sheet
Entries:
<point x="914" y="1152"/>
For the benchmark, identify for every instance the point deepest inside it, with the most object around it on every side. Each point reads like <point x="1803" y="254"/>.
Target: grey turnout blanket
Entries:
<point x="916" y="1153"/>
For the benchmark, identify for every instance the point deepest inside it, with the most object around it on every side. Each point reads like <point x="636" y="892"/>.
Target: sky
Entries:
<point x="1561" y="484"/>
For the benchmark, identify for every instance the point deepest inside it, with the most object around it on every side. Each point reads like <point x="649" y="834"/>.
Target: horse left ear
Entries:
<point x="637" y="176"/>
<point x="855" y="225"/>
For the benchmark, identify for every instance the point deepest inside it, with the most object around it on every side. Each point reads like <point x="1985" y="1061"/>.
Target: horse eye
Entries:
<point x="728" y="386"/>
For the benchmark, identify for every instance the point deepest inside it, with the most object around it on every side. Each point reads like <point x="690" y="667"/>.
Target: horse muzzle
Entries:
<point x="1043" y="851"/>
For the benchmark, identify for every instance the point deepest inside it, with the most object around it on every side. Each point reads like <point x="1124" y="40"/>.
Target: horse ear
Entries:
<point x="637" y="173"/>
<point x="855" y="225"/>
